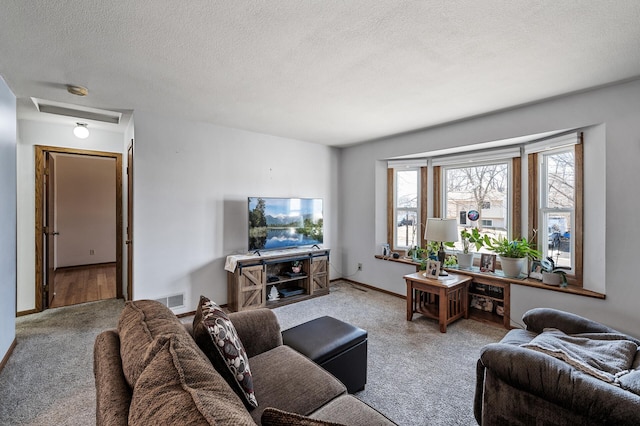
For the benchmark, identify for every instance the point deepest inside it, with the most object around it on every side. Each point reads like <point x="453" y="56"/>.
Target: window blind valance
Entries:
<point x="478" y="157"/>
<point x="412" y="163"/>
<point x="489" y="155"/>
<point x="556" y="142"/>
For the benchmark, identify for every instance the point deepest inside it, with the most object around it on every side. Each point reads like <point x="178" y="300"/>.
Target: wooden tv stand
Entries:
<point x="249" y="285"/>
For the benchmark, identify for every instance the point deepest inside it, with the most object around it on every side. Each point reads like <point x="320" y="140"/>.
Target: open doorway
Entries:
<point x="78" y="226"/>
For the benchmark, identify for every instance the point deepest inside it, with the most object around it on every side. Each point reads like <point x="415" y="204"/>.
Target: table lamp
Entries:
<point x="441" y="230"/>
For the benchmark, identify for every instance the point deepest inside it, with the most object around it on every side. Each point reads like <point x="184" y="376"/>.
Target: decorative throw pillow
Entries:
<point x="217" y="337"/>
<point x="179" y="386"/>
<point x="274" y="417"/>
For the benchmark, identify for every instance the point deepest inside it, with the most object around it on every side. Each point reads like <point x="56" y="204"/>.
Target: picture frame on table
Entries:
<point x="433" y="269"/>
<point x="487" y="262"/>
<point x="536" y="270"/>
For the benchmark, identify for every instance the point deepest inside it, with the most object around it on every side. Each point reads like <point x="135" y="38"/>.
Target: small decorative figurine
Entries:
<point x="273" y="294"/>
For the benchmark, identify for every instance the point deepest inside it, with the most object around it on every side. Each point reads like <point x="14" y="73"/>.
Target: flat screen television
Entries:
<point x="279" y="223"/>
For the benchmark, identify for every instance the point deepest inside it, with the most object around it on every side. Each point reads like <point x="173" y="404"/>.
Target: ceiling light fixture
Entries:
<point x="81" y="131"/>
<point x="77" y="90"/>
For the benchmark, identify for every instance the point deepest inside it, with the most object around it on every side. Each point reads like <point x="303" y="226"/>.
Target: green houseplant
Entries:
<point x="465" y="259"/>
<point x="513" y="253"/>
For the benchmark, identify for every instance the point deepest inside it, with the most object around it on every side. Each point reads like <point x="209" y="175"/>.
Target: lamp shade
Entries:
<point x="441" y="230"/>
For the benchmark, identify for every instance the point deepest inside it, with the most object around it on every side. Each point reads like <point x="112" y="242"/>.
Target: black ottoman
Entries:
<point x="336" y="346"/>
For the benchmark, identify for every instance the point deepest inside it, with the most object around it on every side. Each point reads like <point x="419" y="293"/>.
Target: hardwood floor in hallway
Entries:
<point x="80" y="284"/>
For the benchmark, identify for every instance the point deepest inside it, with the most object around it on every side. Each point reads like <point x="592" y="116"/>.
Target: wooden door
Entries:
<point x="319" y="275"/>
<point x="41" y="240"/>
<point x="249" y="291"/>
<point x="49" y="231"/>
<point x="129" y="241"/>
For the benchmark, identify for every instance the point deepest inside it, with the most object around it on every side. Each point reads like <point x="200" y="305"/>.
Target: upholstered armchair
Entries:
<point x="527" y="380"/>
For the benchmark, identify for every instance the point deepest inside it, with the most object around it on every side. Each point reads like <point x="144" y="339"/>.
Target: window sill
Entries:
<point x="570" y="289"/>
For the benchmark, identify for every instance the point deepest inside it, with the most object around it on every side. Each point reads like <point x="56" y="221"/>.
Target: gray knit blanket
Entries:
<point x="607" y="356"/>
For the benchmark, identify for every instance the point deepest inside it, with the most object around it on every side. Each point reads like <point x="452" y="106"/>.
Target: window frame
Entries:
<point x="392" y="205"/>
<point x="574" y="277"/>
<point x="516" y="202"/>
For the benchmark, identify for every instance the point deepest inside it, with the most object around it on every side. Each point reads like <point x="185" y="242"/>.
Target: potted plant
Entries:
<point x="432" y="248"/>
<point x="296" y="266"/>
<point x="451" y="261"/>
<point x="465" y="259"/>
<point x="513" y="254"/>
<point x="552" y="275"/>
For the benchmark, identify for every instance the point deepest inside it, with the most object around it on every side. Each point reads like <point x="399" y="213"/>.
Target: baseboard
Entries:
<point x="381" y="290"/>
<point x="29" y="312"/>
<point x="6" y="357"/>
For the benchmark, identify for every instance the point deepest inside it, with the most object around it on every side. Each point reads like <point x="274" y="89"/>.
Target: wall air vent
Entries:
<point x="77" y="111"/>
<point x="175" y="301"/>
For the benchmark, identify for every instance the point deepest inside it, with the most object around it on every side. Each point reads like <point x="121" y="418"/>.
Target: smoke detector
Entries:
<point x="77" y="90"/>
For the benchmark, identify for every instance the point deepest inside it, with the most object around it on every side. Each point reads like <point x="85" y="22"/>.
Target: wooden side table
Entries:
<point x="451" y="292"/>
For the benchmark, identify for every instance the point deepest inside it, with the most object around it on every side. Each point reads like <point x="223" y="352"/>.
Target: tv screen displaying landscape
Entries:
<point x="278" y="223"/>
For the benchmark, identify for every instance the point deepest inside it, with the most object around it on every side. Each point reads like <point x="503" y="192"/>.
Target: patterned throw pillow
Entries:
<point x="217" y="337"/>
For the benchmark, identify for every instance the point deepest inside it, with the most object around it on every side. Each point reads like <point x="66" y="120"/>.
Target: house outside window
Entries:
<point x="481" y="188"/>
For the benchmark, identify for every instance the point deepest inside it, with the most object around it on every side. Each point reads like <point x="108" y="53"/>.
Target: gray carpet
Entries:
<point x="417" y="375"/>
<point x="48" y="379"/>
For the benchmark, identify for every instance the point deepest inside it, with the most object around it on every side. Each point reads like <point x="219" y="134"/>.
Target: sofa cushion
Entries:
<point x="274" y="417"/>
<point x="216" y="335"/>
<point x="350" y="410"/>
<point x="180" y="386"/>
<point x="286" y="380"/>
<point x="140" y="322"/>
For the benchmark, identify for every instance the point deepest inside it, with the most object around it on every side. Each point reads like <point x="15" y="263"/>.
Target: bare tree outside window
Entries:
<point x="561" y="177"/>
<point x="484" y="188"/>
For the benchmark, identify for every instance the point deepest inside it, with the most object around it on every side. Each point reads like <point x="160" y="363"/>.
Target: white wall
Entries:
<point x="85" y="213"/>
<point x="32" y="133"/>
<point x="191" y="184"/>
<point x="7" y="218"/>
<point x="611" y="157"/>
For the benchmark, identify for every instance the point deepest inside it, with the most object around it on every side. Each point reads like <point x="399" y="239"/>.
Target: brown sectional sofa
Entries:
<point x="151" y="371"/>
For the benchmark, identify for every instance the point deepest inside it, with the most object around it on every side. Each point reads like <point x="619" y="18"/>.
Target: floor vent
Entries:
<point x="175" y="301"/>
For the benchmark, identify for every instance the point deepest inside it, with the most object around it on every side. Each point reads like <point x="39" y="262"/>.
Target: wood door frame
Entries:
<point x="129" y="241"/>
<point x="40" y="152"/>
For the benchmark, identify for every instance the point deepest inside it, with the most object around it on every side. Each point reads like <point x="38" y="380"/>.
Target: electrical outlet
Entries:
<point x="359" y="266"/>
<point x="92" y="252"/>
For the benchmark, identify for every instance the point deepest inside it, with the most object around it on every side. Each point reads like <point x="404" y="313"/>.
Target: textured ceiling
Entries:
<point x="333" y="71"/>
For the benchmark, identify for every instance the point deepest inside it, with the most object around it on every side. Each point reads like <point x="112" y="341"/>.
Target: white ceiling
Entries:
<point x="334" y="72"/>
